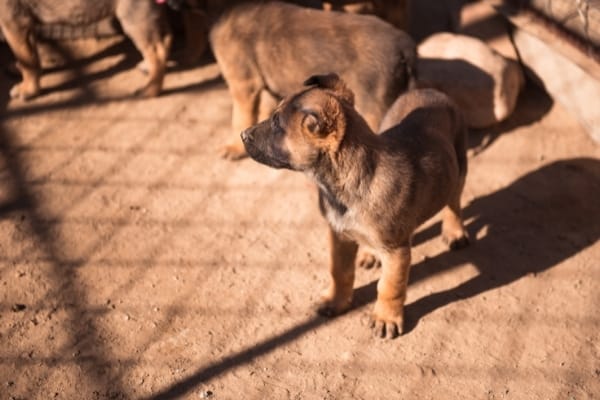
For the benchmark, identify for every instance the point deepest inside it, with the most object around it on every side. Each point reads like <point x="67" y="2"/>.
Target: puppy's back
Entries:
<point x="284" y="40"/>
<point x="427" y="115"/>
<point x="432" y="104"/>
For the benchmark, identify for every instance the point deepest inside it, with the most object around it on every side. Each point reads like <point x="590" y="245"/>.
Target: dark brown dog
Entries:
<point x="374" y="190"/>
<point x="270" y="48"/>
<point x="140" y="19"/>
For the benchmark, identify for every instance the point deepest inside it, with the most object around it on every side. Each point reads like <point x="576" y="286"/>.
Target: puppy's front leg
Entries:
<point x="338" y="297"/>
<point x="388" y="313"/>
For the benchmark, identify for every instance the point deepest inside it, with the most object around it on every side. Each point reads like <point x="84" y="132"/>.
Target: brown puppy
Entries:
<point x="374" y="190"/>
<point x="268" y="49"/>
<point x="140" y="19"/>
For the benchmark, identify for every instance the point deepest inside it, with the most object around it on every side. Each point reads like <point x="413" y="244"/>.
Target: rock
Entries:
<point x="481" y="81"/>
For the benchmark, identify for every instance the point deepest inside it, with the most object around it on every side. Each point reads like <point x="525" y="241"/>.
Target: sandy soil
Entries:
<point x="136" y="264"/>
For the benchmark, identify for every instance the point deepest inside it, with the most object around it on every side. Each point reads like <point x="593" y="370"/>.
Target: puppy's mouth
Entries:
<point x="264" y="157"/>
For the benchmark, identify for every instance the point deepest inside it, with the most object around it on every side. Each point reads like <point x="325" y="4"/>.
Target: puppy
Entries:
<point x="266" y="50"/>
<point x="140" y="19"/>
<point x="374" y="190"/>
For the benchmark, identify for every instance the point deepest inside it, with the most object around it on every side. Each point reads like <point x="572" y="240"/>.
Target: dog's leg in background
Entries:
<point x="267" y="104"/>
<point x="338" y="297"/>
<point x="147" y="33"/>
<point x="246" y="99"/>
<point x="22" y="42"/>
<point x="387" y="320"/>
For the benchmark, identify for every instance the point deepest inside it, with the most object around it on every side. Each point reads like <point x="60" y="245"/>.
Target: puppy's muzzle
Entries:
<point x="247" y="135"/>
<point x="261" y="146"/>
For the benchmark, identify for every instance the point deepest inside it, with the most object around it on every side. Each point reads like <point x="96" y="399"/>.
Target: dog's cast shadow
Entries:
<point x="75" y="66"/>
<point x="533" y="224"/>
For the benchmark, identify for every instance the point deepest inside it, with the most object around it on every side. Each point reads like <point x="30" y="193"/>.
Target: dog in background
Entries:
<point x="374" y="190"/>
<point x="265" y="50"/>
<point x="198" y="16"/>
<point x="141" y="20"/>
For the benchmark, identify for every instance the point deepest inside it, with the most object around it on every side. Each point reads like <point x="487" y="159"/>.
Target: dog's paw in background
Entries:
<point x="234" y="152"/>
<point x="367" y="260"/>
<point x="24" y="92"/>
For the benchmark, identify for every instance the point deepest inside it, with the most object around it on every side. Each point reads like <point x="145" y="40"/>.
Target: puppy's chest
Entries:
<point x="343" y="219"/>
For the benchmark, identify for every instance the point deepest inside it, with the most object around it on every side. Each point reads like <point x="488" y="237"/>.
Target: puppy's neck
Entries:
<point x="348" y="172"/>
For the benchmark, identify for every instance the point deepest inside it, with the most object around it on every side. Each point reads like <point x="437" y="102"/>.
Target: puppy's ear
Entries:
<point x="334" y="83"/>
<point x="310" y="122"/>
<point x="325" y="121"/>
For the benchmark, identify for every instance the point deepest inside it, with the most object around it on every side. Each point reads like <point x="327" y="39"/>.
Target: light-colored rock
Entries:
<point x="483" y="83"/>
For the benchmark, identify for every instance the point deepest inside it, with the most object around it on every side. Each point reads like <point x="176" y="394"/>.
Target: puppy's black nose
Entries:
<point x="246" y="135"/>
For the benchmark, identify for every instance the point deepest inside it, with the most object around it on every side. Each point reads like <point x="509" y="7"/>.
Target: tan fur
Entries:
<point x="374" y="190"/>
<point x="272" y="47"/>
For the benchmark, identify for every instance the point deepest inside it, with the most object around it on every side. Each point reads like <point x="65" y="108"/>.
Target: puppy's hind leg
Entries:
<point x="453" y="230"/>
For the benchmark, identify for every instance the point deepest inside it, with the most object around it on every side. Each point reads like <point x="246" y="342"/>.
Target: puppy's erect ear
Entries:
<point x="310" y="121"/>
<point x="334" y="83"/>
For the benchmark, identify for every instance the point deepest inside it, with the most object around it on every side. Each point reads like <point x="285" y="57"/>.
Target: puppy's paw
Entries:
<point x="457" y="240"/>
<point x="387" y="321"/>
<point x="386" y="329"/>
<point x="234" y="152"/>
<point x="143" y="67"/>
<point x="150" y="90"/>
<point x="330" y="308"/>
<point x="367" y="260"/>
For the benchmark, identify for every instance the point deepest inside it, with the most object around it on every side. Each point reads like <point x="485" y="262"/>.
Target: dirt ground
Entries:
<point x="135" y="263"/>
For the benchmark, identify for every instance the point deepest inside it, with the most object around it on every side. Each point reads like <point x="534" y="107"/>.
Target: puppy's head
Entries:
<point x="304" y="126"/>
